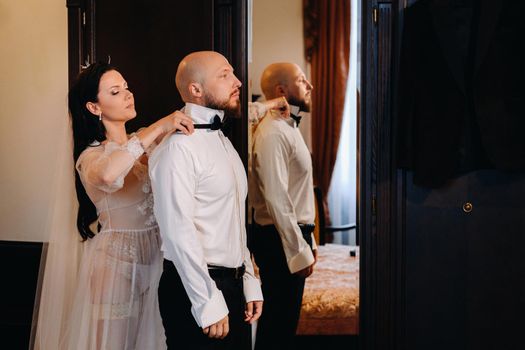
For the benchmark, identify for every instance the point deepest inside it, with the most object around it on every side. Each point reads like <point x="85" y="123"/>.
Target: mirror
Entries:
<point x="330" y="305"/>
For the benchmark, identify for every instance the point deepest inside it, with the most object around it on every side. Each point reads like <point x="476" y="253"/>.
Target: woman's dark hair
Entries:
<point x="87" y="128"/>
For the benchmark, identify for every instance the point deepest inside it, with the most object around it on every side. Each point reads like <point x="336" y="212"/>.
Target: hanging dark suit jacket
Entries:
<point x="435" y="98"/>
<point x="462" y="109"/>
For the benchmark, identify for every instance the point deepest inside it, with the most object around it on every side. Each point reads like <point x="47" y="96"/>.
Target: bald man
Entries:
<point x="208" y="292"/>
<point x="283" y="200"/>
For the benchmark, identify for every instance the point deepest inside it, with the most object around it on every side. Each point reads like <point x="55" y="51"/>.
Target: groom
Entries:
<point x="284" y="207"/>
<point x="208" y="293"/>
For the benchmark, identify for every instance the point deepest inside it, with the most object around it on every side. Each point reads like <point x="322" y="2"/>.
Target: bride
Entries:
<point x="115" y="303"/>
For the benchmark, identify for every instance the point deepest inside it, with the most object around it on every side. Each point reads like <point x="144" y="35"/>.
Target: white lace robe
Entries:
<point x="116" y="303"/>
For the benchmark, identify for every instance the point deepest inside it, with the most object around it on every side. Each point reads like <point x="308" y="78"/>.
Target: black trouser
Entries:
<point x="282" y="291"/>
<point x="182" y="332"/>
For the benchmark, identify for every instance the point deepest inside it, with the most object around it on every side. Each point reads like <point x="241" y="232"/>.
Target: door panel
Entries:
<point x="147" y="39"/>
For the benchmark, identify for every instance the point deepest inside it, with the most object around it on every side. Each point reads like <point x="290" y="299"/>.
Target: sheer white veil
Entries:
<point x="60" y="256"/>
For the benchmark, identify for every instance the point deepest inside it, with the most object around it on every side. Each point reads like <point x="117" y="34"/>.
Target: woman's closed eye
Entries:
<point x="116" y="92"/>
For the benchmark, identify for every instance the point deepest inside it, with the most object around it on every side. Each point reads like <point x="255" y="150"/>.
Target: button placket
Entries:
<point x="237" y="192"/>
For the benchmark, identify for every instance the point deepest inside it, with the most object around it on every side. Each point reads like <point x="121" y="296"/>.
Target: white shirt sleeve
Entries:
<point x="271" y="158"/>
<point x="174" y="176"/>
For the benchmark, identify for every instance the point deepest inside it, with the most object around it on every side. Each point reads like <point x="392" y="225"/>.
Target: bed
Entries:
<point x="331" y="296"/>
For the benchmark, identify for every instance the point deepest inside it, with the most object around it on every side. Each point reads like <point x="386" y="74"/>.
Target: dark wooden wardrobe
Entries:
<point x="146" y="39"/>
<point x="442" y="267"/>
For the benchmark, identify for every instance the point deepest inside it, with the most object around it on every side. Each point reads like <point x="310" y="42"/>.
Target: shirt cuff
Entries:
<point x="210" y="312"/>
<point x="252" y="290"/>
<point x="304" y="259"/>
<point x="314" y="243"/>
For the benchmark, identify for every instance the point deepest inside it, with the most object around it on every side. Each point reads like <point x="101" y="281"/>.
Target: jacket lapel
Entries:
<point x="489" y="17"/>
<point x="447" y="44"/>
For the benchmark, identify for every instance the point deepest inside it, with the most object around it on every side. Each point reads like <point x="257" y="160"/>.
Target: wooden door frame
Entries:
<point x="231" y="40"/>
<point x="380" y="185"/>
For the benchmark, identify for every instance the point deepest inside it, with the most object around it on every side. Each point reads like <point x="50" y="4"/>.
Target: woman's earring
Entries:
<point x="100" y="117"/>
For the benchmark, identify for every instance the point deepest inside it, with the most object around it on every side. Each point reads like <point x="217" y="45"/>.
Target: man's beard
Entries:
<point x="229" y="109"/>
<point x="301" y="103"/>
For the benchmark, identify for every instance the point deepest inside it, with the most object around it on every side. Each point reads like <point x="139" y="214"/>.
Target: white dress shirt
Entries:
<point x="282" y="185"/>
<point x="199" y="186"/>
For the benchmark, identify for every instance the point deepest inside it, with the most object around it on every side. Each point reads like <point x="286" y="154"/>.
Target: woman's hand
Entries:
<point x="176" y="121"/>
<point x="280" y="104"/>
<point x="156" y="131"/>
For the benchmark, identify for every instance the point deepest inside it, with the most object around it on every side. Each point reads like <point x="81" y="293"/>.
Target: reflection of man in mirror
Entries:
<point x="208" y="292"/>
<point x="283" y="201"/>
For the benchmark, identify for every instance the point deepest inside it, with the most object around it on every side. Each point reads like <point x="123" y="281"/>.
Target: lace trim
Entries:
<point x="141" y="172"/>
<point x="148" y="149"/>
<point x="126" y="251"/>
<point x="116" y="311"/>
<point x="255" y="112"/>
<point x="146" y="207"/>
<point x="135" y="147"/>
<point x="128" y="230"/>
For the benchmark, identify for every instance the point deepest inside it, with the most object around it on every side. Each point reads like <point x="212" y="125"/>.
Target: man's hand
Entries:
<point x="253" y="311"/>
<point x="307" y="271"/>
<point x="218" y="330"/>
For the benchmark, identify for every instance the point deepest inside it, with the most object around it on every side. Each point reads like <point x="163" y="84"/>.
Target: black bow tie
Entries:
<point x="215" y="125"/>
<point x="296" y="118"/>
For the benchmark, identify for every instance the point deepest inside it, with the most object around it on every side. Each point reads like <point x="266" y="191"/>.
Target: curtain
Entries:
<point x="327" y="48"/>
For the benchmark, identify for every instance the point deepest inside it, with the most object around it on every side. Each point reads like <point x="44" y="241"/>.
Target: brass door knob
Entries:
<point x="467" y="207"/>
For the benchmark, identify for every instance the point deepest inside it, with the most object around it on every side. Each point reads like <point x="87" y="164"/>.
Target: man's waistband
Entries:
<point x="226" y="272"/>
<point x="306" y="229"/>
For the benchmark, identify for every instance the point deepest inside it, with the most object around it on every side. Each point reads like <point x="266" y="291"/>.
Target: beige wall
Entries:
<point x="36" y="183"/>
<point x="277" y="36"/>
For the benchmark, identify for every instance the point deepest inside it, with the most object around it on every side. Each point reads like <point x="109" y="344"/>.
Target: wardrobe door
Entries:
<point x="146" y="39"/>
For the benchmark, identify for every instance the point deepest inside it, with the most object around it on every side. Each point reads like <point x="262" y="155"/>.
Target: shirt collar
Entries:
<point x="200" y="114"/>
<point x="291" y="122"/>
<point x="295" y="111"/>
<point x="276" y="116"/>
